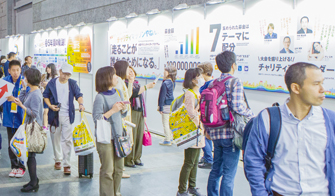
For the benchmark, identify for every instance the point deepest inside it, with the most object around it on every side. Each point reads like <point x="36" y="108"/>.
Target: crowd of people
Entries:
<point x="302" y="160"/>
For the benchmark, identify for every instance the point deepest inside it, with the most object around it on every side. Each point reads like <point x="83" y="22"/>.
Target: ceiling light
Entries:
<point x="80" y="24"/>
<point x="131" y="15"/>
<point x="59" y="27"/>
<point x="212" y="2"/>
<point x="181" y="6"/>
<point x="113" y="18"/>
<point x="68" y="26"/>
<point x="154" y="11"/>
<point x="49" y="29"/>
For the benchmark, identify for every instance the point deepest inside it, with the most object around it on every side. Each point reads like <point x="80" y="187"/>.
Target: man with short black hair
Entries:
<point x="304" y="26"/>
<point x="286" y="43"/>
<point x="59" y="95"/>
<point x="226" y="154"/>
<point x="11" y="56"/>
<point x="13" y="115"/>
<point x="304" y="157"/>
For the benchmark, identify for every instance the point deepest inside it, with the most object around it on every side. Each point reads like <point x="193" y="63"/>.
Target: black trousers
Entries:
<point x="15" y="163"/>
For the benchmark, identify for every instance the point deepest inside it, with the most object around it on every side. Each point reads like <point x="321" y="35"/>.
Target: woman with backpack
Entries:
<point x="192" y="82"/>
<point x="32" y="104"/>
<point x="164" y="102"/>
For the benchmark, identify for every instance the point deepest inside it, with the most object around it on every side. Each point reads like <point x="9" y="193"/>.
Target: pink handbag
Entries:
<point x="147" y="141"/>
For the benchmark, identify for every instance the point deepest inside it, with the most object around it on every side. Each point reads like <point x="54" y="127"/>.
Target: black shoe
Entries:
<point x="132" y="166"/>
<point x="24" y="186"/>
<point x="205" y="165"/>
<point x="202" y="160"/>
<point x="139" y="164"/>
<point x="30" y="188"/>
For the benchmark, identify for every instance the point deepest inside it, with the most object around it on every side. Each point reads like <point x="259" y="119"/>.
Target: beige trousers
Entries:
<point x="166" y="126"/>
<point x="110" y="171"/>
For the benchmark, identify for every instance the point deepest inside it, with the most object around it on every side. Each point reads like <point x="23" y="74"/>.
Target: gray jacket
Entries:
<point x="99" y="109"/>
<point x="33" y="101"/>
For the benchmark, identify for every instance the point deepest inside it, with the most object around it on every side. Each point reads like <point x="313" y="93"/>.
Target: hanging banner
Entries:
<point x="49" y="49"/>
<point x="79" y="53"/>
<point x="16" y="46"/>
<point x="142" y="49"/>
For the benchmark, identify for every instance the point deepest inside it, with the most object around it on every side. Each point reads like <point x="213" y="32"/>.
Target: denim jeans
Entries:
<point x="225" y="166"/>
<point x="208" y="156"/>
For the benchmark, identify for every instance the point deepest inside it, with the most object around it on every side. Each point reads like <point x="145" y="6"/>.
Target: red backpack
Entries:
<point x="214" y="105"/>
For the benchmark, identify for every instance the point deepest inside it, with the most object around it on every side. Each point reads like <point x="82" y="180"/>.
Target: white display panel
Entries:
<point x="266" y="41"/>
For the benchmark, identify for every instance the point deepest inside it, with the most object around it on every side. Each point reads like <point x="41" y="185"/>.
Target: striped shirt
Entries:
<point x="235" y="98"/>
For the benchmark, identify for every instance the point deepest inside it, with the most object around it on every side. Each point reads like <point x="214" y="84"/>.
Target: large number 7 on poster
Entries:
<point x="217" y="34"/>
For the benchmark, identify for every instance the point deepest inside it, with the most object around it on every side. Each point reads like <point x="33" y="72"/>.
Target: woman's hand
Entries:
<point x="150" y="85"/>
<point x="117" y="107"/>
<point x="19" y="103"/>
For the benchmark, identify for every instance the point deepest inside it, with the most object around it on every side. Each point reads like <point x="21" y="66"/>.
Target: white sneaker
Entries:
<point x="12" y="173"/>
<point x="19" y="173"/>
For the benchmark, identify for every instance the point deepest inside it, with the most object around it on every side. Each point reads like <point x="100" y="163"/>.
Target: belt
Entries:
<point x="276" y="194"/>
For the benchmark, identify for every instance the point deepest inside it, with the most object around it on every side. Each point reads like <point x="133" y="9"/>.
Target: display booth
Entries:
<point x="267" y="37"/>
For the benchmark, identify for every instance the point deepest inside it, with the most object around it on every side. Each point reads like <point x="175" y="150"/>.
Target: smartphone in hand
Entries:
<point x="125" y="102"/>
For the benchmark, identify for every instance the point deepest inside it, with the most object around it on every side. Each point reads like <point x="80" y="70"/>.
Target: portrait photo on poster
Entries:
<point x="316" y="51"/>
<point x="287" y="44"/>
<point x="270" y="32"/>
<point x="304" y="25"/>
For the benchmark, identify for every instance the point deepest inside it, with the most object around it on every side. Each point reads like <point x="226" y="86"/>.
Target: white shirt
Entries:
<point x="299" y="159"/>
<point x="63" y="97"/>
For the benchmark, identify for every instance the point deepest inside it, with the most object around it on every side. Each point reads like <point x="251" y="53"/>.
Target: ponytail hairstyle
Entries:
<point x="26" y="59"/>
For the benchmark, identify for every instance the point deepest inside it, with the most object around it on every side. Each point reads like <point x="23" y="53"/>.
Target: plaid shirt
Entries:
<point x="235" y="98"/>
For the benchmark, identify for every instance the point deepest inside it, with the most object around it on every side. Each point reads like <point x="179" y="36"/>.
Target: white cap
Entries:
<point x="67" y="68"/>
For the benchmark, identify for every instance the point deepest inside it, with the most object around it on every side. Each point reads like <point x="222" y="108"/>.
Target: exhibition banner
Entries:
<point x="265" y="42"/>
<point x="49" y="49"/>
<point x="142" y="49"/>
<point x="16" y="46"/>
<point x="79" y="53"/>
<point x="64" y="46"/>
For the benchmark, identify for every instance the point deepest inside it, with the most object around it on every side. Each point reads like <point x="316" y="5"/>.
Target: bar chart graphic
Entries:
<point x="192" y="44"/>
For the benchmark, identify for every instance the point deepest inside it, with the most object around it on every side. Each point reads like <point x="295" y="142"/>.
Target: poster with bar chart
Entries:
<point x="182" y="48"/>
<point x="191" y="43"/>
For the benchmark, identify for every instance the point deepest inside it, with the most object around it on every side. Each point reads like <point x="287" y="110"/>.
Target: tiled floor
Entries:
<point x="158" y="177"/>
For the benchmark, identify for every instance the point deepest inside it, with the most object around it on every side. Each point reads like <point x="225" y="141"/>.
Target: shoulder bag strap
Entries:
<point x="231" y="91"/>
<point x="110" y="118"/>
<point x="275" y="128"/>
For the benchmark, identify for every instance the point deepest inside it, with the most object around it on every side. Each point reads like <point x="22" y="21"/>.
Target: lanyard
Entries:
<point x="13" y="107"/>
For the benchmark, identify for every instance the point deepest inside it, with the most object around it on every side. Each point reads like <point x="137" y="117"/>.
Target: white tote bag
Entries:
<point x="104" y="131"/>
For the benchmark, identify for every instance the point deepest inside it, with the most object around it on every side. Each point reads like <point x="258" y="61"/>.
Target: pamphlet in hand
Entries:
<point x="157" y="77"/>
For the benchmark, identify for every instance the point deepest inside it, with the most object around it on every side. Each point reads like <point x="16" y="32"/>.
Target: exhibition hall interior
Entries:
<point x="133" y="88"/>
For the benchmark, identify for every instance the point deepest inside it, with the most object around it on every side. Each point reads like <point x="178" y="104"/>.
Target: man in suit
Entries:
<point x="304" y="24"/>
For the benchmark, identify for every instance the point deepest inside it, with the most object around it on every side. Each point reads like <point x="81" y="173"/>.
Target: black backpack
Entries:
<point x="275" y="128"/>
